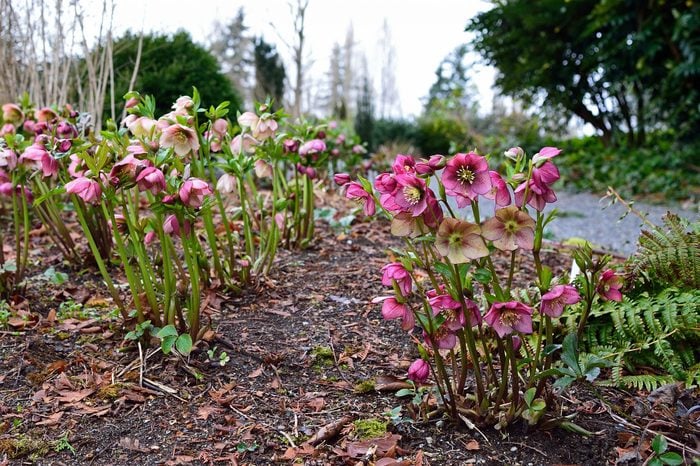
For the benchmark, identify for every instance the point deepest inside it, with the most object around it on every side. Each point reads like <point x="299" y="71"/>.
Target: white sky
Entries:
<point x="423" y="32"/>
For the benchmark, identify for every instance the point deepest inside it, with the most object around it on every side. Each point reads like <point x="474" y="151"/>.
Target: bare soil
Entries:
<point x="307" y="355"/>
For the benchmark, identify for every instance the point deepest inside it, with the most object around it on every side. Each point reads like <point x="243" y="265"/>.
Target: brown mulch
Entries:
<point x="302" y="352"/>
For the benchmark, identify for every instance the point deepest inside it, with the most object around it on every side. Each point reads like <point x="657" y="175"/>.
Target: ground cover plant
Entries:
<point x="195" y="311"/>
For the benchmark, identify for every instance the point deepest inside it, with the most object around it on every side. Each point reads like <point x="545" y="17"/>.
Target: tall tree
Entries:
<point x="364" y="117"/>
<point x="620" y="65"/>
<point x="299" y="13"/>
<point x="269" y="73"/>
<point x="389" y="104"/>
<point x="452" y="90"/>
<point x="169" y="66"/>
<point x="232" y="46"/>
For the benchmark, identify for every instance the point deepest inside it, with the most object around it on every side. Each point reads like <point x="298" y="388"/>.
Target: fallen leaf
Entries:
<point x="205" y="411"/>
<point x="180" y="459"/>
<point x="73" y="396"/>
<point x="51" y="420"/>
<point x="316" y="404"/>
<point x="472" y="445"/>
<point x="385" y="446"/>
<point x="256" y="373"/>
<point x="389" y="383"/>
<point x="392" y="462"/>
<point x="132" y="444"/>
<point x="329" y="431"/>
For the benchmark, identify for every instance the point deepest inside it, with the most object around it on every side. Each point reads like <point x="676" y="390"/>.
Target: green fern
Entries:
<point x="661" y="332"/>
<point x="647" y="382"/>
<point x="668" y="257"/>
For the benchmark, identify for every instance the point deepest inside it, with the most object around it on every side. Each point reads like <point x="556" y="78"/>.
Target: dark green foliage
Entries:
<point x="658" y="331"/>
<point x="623" y="66"/>
<point x="668" y="256"/>
<point x="661" y="166"/>
<point x="439" y="133"/>
<point x="269" y="73"/>
<point x="364" y="119"/>
<point x="388" y="131"/>
<point x="170" y="66"/>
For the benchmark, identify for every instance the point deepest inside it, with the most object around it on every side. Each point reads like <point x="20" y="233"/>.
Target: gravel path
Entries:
<point x="586" y="216"/>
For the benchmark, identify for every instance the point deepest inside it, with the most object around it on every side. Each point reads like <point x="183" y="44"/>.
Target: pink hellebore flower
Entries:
<point x="245" y="143"/>
<point x="65" y="130"/>
<point x="11" y="113"/>
<point x="265" y="128"/>
<point x="183" y="104"/>
<point x="499" y="190"/>
<point x="7" y="128"/>
<point x="37" y="157"/>
<point x="465" y="177"/>
<point x="392" y="309"/>
<point x="510" y="229"/>
<point x="8" y="159"/>
<point x="553" y="301"/>
<point x="609" y="286"/>
<point x="86" y="189"/>
<point x="76" y="167"/>
<point x="411" y="194"/>
<point x="151" y="179"/>
<point x="263" y="169"/>
<point x="248" y="120"/>
<point x="45" y="115"/>
<point x="545" y="153"/>
<point x="219" y="127"/>
<point x="403" y="164"/>
<point x="314" y="146"/>
<point x="6" y="189"/>
<point x="290" y="146"/>
<point x="127" y="169"/>
<point x="193" y="192"/>
<point x="538" y="193"/>
<point x="341" y="179"/>
<point x="505" y="318"/>
<point x="397" y="272"/>
<point x="356" y="192"/>
<point x="171" y="226"/>
<point x="419" y="371"/>
<point x="226" y="183"/>
<point x="514" y="153"/>
<point x="150" y="237"/>
<point x="460" y="241"/>
<point x="182" y="139"/>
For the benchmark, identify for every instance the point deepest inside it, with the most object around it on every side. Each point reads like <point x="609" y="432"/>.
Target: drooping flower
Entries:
<point x="507" y="317"/>
<point x="151" y="179"/>
<point x="341" y="179"/>
<point x="509" y="229"/>
<point x="183" y="104"/>
<point x="193" y="191"/>
<point x="45" y="115"/>
<point x="290" y="146"/>
<point x="127" y="169"/>
<point x="514" y="153"/>
<point x="466" y="176"/>
<point x="243" y="144"/>
<point x="265" y="128"/>
<point x="6" y="189"/>
<point x="553" y="301"/>
<point x="37" y="157"/>
<point x="11" y="113"/>
<point x="499" y="190"/>
<point x="545" y="153"/>
<point x="392" y="309"/>
<point x="7" y="128"/>
<point x="65" y="130"/>
<point x="171" y="226"/>
<point x="442" y="338"/>
<point x="419" y="371"/>
<point x="76" y="167"/>
<point x="356" y="192"/>
<point x="248" y="120"/>
<point x="314" y="146"/>
<point x="395" y="271"/>
<point x="86" y="189"/>
<point x="8" y="159"/>
<point x="263" y="169"/>
<point x="609" y="286"/>
<point x="226" y="183"/>
<point x="460" y="241"/>
<point x="182" y="139"/>
<point x="140" y="126"/>
<point x="538" y="194"/>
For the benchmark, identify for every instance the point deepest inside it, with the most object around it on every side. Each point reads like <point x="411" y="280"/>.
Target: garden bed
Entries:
<point x="307" y="356"/>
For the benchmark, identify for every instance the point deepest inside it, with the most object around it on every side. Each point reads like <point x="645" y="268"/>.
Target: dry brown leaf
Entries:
<point x="73" y="396"/>
<point x="219" y="395"/>
<point x="256" y="373"/>
<point x="180" y="459"/>
<point x="472" y="445"/>
<point x="389" y="383"/>
<point x="329" y="431"/>
<point x="205" y="411"/>
<point x="51" y="420"/>
<point x="316" y="404"/>
<point x="385" y="446"/>
<point x="132" y="444"/>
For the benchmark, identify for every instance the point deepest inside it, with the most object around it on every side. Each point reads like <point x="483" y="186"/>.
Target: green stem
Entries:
<point x="192" y="267"/>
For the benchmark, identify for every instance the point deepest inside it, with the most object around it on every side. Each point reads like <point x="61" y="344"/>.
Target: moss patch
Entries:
<point x="369" y="428"/>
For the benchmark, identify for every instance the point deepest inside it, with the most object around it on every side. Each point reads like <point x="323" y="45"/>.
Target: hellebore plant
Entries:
<point x="487" y="345"/>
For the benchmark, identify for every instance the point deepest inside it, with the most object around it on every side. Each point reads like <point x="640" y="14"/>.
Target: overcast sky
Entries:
<point x="423" y="32"/>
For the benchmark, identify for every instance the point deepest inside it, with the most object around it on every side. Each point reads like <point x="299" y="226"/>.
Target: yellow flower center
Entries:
<point x="509" y="318"/>
<point x="465" y="175"/>
<point x="412" y="194"/>
<point x="511" y="226"/>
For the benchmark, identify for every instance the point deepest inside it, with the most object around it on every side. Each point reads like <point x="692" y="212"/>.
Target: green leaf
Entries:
<point x="671" y="458"/>
<point x="530" y="395"/>
<point x="167" y="331"/>
<point x="443" y="269"/>
<point x="483" y="275"/>
<point x="659" y="444"/>
<point x="570" y="353"/>
<point x="404" y="392"/>
<point x="183" y="344"/>
<point x="564" y="382"/>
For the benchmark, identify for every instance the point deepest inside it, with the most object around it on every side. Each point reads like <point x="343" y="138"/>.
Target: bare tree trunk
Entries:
<point x="300" y="16"/>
